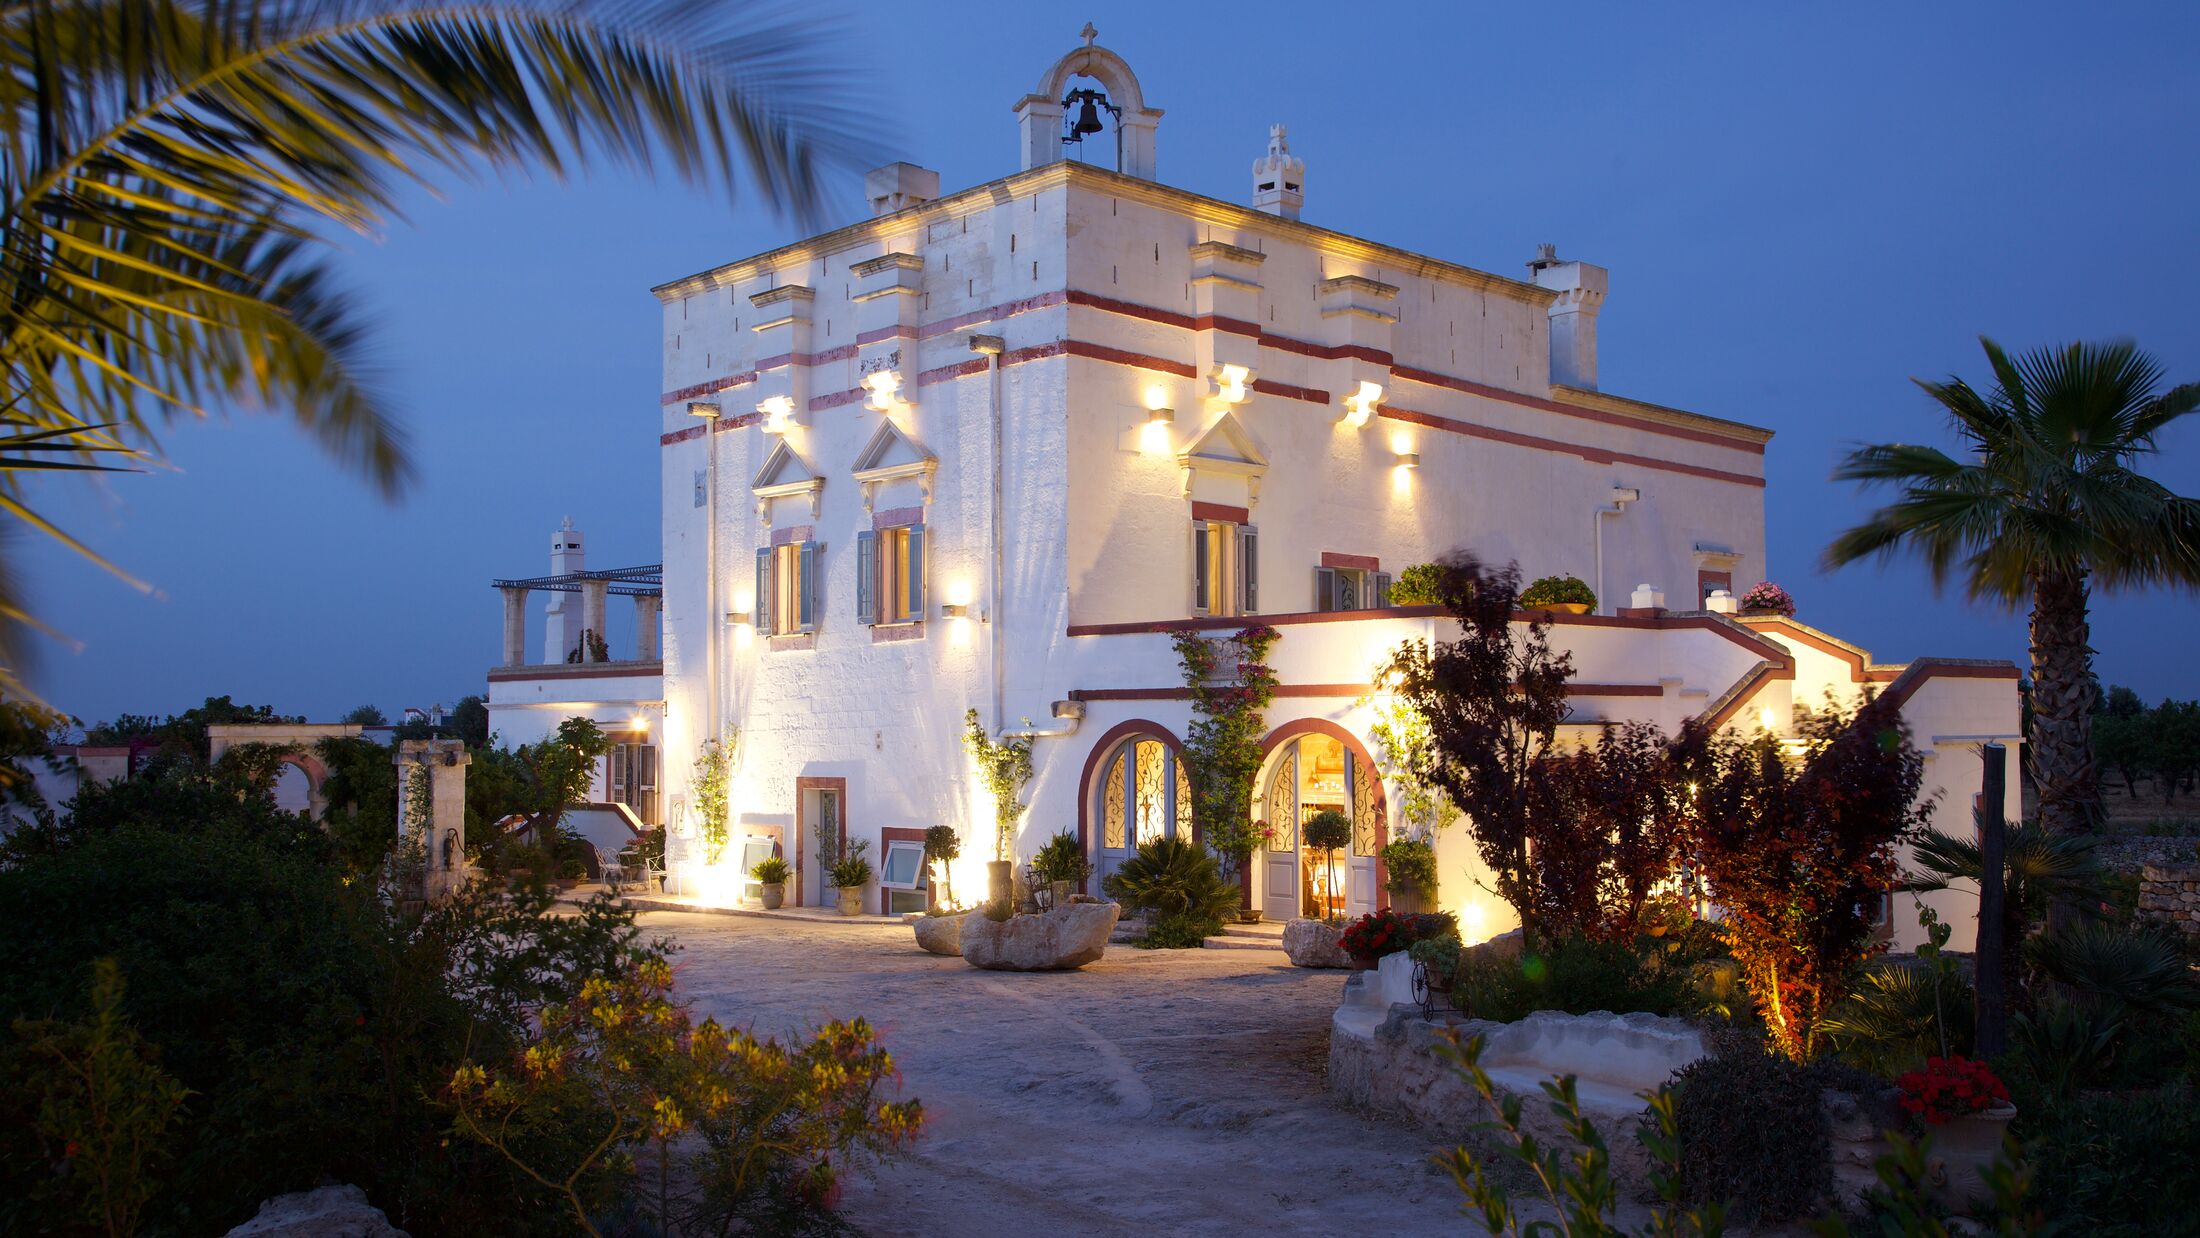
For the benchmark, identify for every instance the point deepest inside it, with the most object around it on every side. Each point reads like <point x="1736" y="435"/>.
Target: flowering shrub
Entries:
<point x="1764" y="595"/>
<point x="1386" y="932"/>
<point x="1950" y="1087"/>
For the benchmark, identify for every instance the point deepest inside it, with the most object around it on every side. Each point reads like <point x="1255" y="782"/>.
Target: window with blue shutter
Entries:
<point x="866" y="577"/>
<point x="1202" y="571"/>
<point x="1248" y="566"/>
<point x="806" y="592"/>
<point x="764" y="595"/>
<point x="1325" y="588"/>
<point x="915" y="608"/>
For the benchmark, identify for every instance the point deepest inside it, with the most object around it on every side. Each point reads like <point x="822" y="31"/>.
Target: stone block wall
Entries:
<point x="2170" y="893"/>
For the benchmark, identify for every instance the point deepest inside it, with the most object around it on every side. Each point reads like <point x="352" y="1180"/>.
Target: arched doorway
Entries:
<point x="1313" y="766"/>
<point x="1136" y="791"/>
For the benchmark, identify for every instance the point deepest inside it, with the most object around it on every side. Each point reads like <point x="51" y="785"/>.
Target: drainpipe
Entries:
<point x="991" y="346"/>
<point x="1070" y="712"/>
<point x="1621" y="497"/>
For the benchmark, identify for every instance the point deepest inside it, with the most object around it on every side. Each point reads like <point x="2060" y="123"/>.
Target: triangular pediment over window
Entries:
<point x="1224" y="446"/>
<point x="892" y="455"/>
<point x="785" y="475"/>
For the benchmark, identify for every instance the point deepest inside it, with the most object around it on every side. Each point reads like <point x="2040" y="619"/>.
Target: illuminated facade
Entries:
<point x="972" y="451"/>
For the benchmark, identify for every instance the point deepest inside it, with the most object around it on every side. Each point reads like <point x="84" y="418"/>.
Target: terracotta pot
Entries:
<point x="775" y="895"/>
<point x="1363" y="962"/>
<point x="1406" y="899"/>
<point x="851" y="900"/>
<point x="1000" y="881"/>
<point x="1249" y="915"/>
<point x="1571" y="608"/>
<point x="1960" y="1153"/>
<point x="1763" y="611"/>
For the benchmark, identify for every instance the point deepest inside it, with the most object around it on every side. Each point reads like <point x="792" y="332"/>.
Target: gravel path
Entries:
<point x="1154" y="1092"/>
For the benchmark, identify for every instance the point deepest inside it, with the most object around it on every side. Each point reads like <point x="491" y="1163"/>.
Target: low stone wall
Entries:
<point x="2170" y="893"/>
<point x="1384" y="1055"/>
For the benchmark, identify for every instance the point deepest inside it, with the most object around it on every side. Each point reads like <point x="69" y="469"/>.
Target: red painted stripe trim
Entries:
<point x="1595" y="455"/>
<point x="1358" y="563"/>
<point x="897" y="331"/>
<point x="1470" y="387"/>
<point x="1220" y="511"/>
<point x="1339" y="690"/>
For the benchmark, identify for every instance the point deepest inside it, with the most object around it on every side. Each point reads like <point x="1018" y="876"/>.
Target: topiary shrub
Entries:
<point x="1180" y="886"/>
<point x="1753" y="1131"/>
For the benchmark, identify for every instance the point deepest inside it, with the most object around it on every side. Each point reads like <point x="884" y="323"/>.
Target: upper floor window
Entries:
<point x="1350" y="588"/>
<point x="890" y="575"/>
<point x="1225" y="568"/>
<point x="786" y="588"/>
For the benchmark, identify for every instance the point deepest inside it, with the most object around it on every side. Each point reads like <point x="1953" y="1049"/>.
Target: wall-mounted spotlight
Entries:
<point x="778" y="411"/>
<point x="955" y="610"/>
<point x="741" y="618"/>
<point x="703" y="408"/>
<point x="1409" y="459"/>
<point x="1160" y="416"/>
<point x="883" y="391"/>
<point x="1233" y="384"/>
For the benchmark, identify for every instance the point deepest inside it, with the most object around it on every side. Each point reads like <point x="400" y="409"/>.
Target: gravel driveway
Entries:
<point x="1154" y="1092"/>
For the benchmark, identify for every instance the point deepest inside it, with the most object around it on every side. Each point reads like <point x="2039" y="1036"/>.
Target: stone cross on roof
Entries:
<point x="1088" y="34"/>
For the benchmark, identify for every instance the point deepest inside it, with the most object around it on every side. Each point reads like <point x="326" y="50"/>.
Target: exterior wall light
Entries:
<point x="883" y="391"/>
<point x="741" y="618"/>
<point x="778" y="410"/>
<point x="1409" y="459"/>
<point x="703" y="408"/>
<point x="1160" y="416"/>
<point x="1361" y="404"/>
<point x="955" y="610"/>
<point x="1768" y="718"/>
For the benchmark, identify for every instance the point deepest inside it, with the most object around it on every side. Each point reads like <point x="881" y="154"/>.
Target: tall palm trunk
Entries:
<point x="2063" y="695"/>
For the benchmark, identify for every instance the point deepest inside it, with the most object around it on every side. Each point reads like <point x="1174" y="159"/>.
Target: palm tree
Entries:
<point x="170" y="169"/>
<point x="2046" y="506"/>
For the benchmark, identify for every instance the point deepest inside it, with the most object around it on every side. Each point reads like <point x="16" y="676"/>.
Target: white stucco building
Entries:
<point x="973" y="450"/>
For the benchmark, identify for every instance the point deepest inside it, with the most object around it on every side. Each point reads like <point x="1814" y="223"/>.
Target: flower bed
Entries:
<point x="1378" y="933"/>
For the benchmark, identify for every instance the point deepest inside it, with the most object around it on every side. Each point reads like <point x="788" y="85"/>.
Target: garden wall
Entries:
<point x="2170" y="893"/>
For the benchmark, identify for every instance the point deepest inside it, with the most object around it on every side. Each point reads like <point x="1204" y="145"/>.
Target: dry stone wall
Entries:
<point x="2170" y="893"/>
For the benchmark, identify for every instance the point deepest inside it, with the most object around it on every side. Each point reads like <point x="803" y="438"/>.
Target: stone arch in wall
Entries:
<point x="296" y="742"/>
<point x="1093" y="798"/>
<point x="1278" y="877"/>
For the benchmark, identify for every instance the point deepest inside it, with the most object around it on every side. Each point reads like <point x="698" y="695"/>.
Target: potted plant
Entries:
<point x="941" y="846"/>
<point x="1966" y="1111"/>
<point x="1061" y="864"/>
<point x="1766" y="598"/>
<point x="1410" y="864"/>
<point x="849" y="874"/>
<point x="1326" y="832"/>
<point x="1378" y="933"/>
<point x="1567" y="594"/>
<point x="771" y="872"/>
<point x="1005" y="766"/>
<point x="1439" y="958"/>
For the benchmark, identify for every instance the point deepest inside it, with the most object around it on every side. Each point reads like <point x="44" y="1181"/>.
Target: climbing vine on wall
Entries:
<point x="1231" y="684"/>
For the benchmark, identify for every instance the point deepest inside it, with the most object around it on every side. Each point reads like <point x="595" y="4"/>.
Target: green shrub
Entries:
<point x="1899" y="1015"/>
<point x="2116" y="1165"/>
<point x="1754" y="1134"/>
<point x="1180" y="886"/>
<point x="1416" y="586"/>
<point x="772" y="871"/>
<point x="1061" y="859"/>
<point x="1557" y="591"/>
<point x="1578" y="975"/>
<point x="1411" y="864"/>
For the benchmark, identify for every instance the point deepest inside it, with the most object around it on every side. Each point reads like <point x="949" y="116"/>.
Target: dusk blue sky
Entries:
<point x="1800" y="210"/>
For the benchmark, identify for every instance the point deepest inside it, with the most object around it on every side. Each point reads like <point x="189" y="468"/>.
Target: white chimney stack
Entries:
<point x="898" y="186"/>
<point x="561" y="629"/>
<point x="1580" y="287"/>
<point x="1279" y="178"/>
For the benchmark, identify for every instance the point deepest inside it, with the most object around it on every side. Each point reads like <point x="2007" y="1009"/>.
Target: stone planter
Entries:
<point x="941" y="934"/>
<point x="1063" y="939"/>
<point x="1961" y="1152"/>
<point x="1313" y="943"/>
<point x="1248" y="915"/>
<point x="1000" y="881"/>
<point x="1059" y="892"/>
<point x="1406" y="900"/>
<point x="775" y="895"/>
<point x="851" y="899"/>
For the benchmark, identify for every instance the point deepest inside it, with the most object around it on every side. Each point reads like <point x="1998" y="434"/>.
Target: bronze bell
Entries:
<point x="1088" y="120"/>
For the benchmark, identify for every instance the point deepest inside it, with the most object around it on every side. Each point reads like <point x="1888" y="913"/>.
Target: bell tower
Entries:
<point x="1040" y="116"/>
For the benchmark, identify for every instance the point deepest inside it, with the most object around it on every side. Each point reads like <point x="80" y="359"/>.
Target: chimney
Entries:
<point x="561" y="629"/>
<point x="1580" y="287"/>
<point x="898" y="186"/>
<point x="1279" y="178"/>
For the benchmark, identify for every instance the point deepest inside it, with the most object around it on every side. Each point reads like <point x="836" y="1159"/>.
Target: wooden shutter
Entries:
<point x="1248" y="548"/>
<point x="1381" y="591"/>
<point x="866" y="577"/>
<point x="764" y="596"/>
<point x="1202" y="571"/>
<point x="1325" y="588"/>
<point x="916" y="571"/>
<point x="806" y="593"/>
